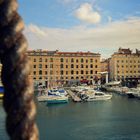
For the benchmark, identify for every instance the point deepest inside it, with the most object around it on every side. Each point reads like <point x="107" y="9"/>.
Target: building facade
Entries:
<point x="105" y="71"/>
<point x="54" y="67"/>
<point x="125" y="65"/>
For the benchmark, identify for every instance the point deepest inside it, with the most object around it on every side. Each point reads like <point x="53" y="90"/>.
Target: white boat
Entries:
<point x="97" y="95"/>
<point x="52" y="96"/>
<point x="113" y="86"/>
<point x="133" y="93"/>
<point x="59" y="92"/>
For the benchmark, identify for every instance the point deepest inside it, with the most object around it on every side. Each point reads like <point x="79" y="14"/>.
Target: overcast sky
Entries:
<point x="100" y="26"/>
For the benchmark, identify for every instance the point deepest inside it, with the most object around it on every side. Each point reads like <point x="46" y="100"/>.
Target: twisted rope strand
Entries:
<point x="18" y="97"/>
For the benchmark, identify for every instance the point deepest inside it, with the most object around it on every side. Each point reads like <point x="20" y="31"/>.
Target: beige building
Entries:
<point x="125" y="65"/>
<point x="54" y="67"/>
<point x="104" y="71"/>
<point x="105" y="65"/>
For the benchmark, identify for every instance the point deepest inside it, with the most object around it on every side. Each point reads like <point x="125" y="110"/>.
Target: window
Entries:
<point x="34" y="72"/>
<point x="34" y="60"/>
<point x="82" y="66"/>
<point x="40" y="65"/>
<point x="72" y="60"/>
<point x="40" y="72"/>
<point x="82" y="60"/>
<point x="61" y="72"/>
<point x="77" y="72"/>
<point x="72" y="66"/>
<point x="34" y="66"/>
<point x="76" y="66"/>
<point x="86" y="61"/>
<point x="51" y="65"/>
<point x="46" y="60"/>
<point x="46" y="72"/>
<point x="86" y="66"/>
<point x="96" y="66"/>
<point x="91" y="72"/>
<point x="46" y="66"/>
<point x="62" y="60"/>
<point x="61" y="66"/>
<point x="82" y="72"/>
<point x="66" y="66"/>
<point x="40" y="59"/>
<point x="76" y="60"/>
<point x="51" y="72"/>
<point x="91" y="66"/>
<point x="66" y="72"/>
<point x="91" y="60"/>
<point x="86" y="72"/>
<point x="96" y="72"/>
<point x="72" y="72"/>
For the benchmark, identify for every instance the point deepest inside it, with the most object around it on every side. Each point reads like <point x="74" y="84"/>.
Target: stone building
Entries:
<point x="124" y="65"/>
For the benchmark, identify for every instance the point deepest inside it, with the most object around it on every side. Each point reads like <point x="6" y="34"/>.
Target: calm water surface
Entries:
<point x="116" y="119"/>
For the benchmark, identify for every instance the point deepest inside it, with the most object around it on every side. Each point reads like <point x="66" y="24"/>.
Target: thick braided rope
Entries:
<point x="18" y="96"/>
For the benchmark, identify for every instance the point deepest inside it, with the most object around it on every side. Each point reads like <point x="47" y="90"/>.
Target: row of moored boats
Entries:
<point x="78" y="93"/>
<point x="115" y="87"/>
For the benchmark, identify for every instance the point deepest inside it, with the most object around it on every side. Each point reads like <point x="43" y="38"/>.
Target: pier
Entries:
<point x="74" y="97"/>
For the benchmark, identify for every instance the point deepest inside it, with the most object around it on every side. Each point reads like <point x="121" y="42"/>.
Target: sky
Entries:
<point x="100" y="26"/>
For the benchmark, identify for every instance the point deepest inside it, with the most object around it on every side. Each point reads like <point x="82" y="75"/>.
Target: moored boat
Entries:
<point x="56" y="99"/>
<point x="98" y="95"/>
<point x="91" y="95"/>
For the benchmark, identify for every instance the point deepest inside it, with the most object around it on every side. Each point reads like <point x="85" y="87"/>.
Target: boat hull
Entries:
<point x="56" y="101"/>
<point x="99" y="98"/>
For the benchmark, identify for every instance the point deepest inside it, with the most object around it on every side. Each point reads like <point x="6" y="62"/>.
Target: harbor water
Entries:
<point x="115" y="119"/>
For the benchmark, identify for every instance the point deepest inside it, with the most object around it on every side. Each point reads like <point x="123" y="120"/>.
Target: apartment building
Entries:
<point x="55" y="67"/>
<point x="125" y="65"/>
